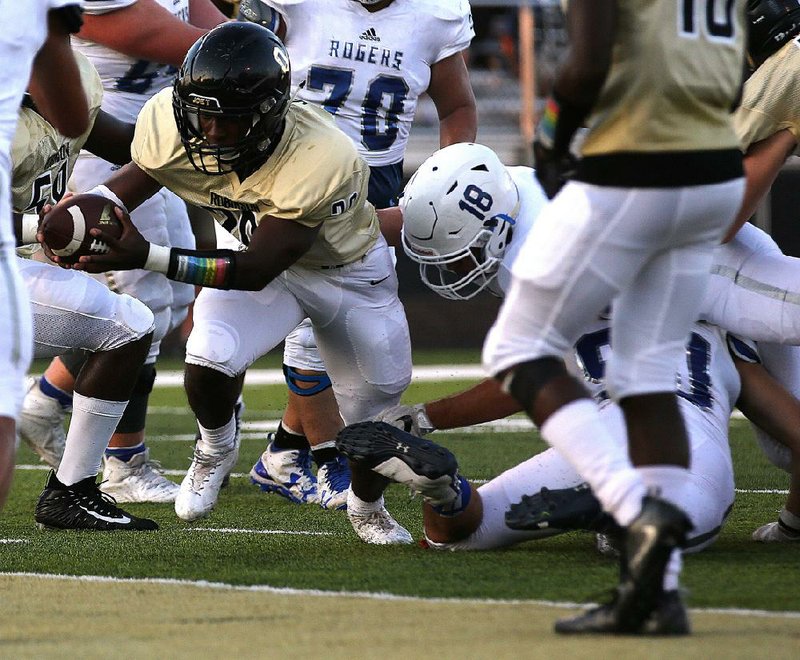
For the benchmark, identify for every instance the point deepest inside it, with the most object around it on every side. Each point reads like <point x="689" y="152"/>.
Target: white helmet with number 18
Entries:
<point x="459" y="210"/>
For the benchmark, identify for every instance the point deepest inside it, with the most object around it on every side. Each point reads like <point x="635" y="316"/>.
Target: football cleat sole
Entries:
<point x="423" y="466"/>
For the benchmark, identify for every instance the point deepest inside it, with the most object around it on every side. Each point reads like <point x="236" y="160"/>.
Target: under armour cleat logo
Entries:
<point x="402" y="447"/>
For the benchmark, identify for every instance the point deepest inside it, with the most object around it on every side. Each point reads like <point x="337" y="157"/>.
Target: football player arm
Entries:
<point x="205" y="14"/>
<point x="771" y="407"/>
<point x="110" y="139"/>
<point x="484" y="402"/>
<point x="451" y="92"/>
<point x="55" y="84"/>
<point x="591" y="25"/>
<point x="391" y="222"/>
<point x="762" y="163"/>
<point x="144" y="30"/>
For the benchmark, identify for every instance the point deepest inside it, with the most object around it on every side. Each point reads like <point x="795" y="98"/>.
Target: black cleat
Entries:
<point x="83" y="506"/>
<point x="561" y="509"/>
<point x="638" y="601"/>
<point x="422" y="465"/>
<point x="668" y="618"/>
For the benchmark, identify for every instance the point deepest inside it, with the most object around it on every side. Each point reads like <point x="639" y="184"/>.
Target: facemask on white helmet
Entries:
<point x="459" y="210"/>
<point x="366" y="3"/>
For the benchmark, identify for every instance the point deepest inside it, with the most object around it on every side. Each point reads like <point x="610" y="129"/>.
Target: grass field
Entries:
<point x="248" y="580"/>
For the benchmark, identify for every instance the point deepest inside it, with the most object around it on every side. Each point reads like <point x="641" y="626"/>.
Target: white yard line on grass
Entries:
<point x="433" y="373"/>
<point x="231" y="530"/>
<point x="286" y="591"/>
<point x="242" y="475"/>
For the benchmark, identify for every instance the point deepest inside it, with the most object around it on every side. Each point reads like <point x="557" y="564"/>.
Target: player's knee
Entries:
<point x="215" y="344"/>
<point x="527" y="380"/>
<point x="306" y="384"/>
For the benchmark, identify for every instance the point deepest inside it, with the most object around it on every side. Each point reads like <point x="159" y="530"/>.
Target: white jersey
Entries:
<point x="369" y="69"/>
<point x="531" y="201"/>
<point x="127" y="82"/>
<point x="706" y="378"/>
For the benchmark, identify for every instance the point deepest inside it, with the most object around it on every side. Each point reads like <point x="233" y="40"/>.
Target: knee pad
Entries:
<point x="133" y="419"/>
<point x="526" y="380"/>
<point x="215" y="345"/>
<point x="316" y="383"/>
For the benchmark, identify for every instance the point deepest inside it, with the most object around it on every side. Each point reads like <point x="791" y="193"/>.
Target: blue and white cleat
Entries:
<point x="286" y="472"/>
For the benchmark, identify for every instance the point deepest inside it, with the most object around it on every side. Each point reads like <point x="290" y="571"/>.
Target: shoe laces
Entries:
<point x="99" y="501"/>
<point x="379" y="519"/>
<point x="337" y="474"/>
<point x="202" y="467"/>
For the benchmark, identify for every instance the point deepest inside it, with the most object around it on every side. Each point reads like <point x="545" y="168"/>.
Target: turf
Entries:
<point x="323" y="553"/>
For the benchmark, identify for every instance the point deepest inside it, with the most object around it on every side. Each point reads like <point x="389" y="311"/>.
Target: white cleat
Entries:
<point x="333" y="483"/>
<point x="774" y="532"/>
<point x="200" y="487"/>
<point x="376" y="527"/>
<point x="137" y="480"/>
<point x="41" y="424"/>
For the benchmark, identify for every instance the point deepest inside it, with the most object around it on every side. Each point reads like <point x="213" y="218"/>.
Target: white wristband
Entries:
<point x="108" y="194"/>
<point x="30" y="225"/>
<point x="158" y="258"/>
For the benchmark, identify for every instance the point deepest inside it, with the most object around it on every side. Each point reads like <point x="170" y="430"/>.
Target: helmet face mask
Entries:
<point x="237" y="74"/>
<point x="459" y="210"/>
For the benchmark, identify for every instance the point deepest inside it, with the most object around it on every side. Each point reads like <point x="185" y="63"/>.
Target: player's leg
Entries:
<point x="231" y="330"/>
<point x="587" y="245"/>
<point x="556" y="292"/>
<point x="362" y="333"/>
<point x="309" y="423"/>
<point x="753" y="290"/>
<point x="15" y="341"/>
<point x="71" y="310"/>
<point x="128" y="472"/>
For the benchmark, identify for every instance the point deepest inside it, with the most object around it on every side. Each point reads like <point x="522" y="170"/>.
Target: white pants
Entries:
<point x="361" y="328"/>
<point x="162" y="220"/>
<point x="706" y="501"/>
<point x="15" y="311"/>
<point x="754" y="289"/>
<point x="649" y="250"/>
<point x="73" y="310"/>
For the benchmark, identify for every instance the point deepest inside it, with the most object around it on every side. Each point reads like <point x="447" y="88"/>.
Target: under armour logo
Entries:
<point x="401" y="447"/>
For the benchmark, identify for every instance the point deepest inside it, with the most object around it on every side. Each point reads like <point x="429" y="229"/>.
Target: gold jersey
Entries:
<point x="42" y="158"/>
<point x="675" y="74"/>
<point x="314" y="177"/>
<point x="771" y="98"/>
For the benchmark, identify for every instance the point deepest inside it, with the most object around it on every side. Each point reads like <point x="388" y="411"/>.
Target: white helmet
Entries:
<point x="460" y="206"/>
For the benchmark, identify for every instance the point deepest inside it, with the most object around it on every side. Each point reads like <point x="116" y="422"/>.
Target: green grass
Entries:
<point x="734" y="573"/>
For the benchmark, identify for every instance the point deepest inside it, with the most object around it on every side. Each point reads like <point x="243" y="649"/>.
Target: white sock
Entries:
<point x="669" y="482"/>
<point x="358" y="507"/>
<point x="673" y="572"/>
<point x="578" y="433"/>
<point x="219" y="440"/>
<point x="92" y="425"/>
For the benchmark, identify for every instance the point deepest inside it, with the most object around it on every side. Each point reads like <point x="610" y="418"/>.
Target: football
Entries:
<point x="66" y="227"/>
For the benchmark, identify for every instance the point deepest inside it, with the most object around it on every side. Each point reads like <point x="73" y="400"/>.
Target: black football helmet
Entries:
<point x="771" y="23"/>
<point x="237" y="71"/>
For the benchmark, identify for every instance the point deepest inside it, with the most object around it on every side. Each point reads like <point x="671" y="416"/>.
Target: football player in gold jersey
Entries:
<point x="291" y="186"/>
<point x="659" y="181"/>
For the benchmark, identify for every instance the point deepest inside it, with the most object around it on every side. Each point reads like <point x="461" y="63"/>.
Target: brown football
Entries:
<point x="66" y="227"/>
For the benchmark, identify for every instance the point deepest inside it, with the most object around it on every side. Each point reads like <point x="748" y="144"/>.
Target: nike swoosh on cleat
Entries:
<point x="374" y="282"/>
<point x="124" y="520"/>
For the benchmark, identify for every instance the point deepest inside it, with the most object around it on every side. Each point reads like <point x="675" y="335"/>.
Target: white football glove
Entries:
<point x="411" y="419"/>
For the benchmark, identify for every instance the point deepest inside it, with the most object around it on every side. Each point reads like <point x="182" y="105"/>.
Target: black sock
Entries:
<point x="285" y="440"/>
<point x="324" y="452"/>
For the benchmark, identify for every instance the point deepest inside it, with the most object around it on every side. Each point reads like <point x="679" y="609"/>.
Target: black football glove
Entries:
<point x="552" y="170"/>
